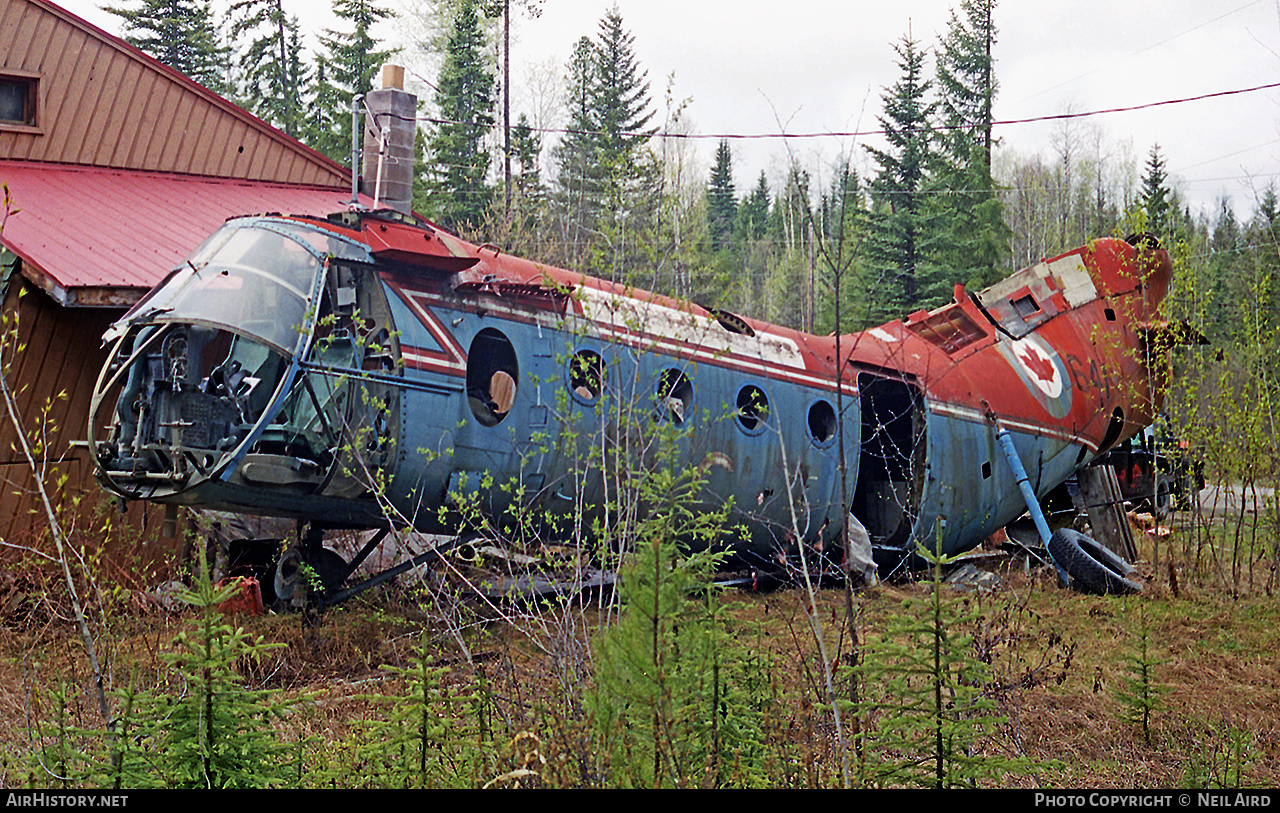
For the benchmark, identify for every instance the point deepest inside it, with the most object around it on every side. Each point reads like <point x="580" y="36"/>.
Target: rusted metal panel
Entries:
<point x="103" y="297"/>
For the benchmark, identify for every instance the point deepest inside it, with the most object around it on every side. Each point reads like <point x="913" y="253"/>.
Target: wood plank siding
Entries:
<point x="53" y="378"/>
<point x="104" y="103"/>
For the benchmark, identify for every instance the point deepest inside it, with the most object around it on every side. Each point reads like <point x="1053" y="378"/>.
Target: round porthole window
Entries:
<point x="586" y="376"/>
<point x="753" y="408"/>
<point x="822" y="422"/>
<point x="675" y="395"/>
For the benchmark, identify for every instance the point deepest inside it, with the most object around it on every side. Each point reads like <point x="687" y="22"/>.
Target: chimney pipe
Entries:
<point x="390" y="122"/>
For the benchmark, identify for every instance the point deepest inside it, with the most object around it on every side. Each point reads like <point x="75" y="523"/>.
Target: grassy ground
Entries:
<point x="1058" y="661"/>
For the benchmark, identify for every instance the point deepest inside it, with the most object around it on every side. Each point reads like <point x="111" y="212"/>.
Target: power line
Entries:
<point x="1144" y="50"/>
<point x="864" y="133"/>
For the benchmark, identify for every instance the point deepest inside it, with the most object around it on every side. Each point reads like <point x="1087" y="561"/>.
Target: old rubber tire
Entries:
<point x="1092" y="568"/>
<point x="1163" y="502"/>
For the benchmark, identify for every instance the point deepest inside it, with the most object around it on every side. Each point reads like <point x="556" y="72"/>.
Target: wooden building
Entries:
<point x="117" y="167"/>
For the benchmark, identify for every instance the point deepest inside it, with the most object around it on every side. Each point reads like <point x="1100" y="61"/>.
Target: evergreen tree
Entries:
<point x="1234" y="285"/>
<point x="841" y="302"/>
<point x="754" y="251"/>
<point x="929" y="717"/>
<point x="606" y="174"/>
<point x="523" y="219"/>
<point x="1156" y="196"/>
<point x="1268" y="212"/>
<point x="526" y="148"/>
<point x="1138" y="692"/>
<point x="326" y="129"/>
<point x="273" y="71"/>
<point x="787" y="288"/>
<point x="967" y="83"/>
<point x="753" y="212"/>
<point x="458" y="161"/>
<point x="901" y="224"/>
<point x="575" y="154"/>
<point x="620" y="97"/>
<point x="209" y="729"/>
<point x="346" y="67"/>
<point x="179" y="33"/>
<point x="1264" y="261"/>
<point x="721" y="206"/>
<point x="972" y="237"/>
<point x="669" y="701"/>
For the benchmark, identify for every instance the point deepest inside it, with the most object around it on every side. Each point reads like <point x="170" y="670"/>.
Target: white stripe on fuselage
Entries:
<point x="660" y="329"/>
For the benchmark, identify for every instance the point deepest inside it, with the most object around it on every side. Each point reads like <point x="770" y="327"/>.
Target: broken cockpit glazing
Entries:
<point x="206" y="362"/>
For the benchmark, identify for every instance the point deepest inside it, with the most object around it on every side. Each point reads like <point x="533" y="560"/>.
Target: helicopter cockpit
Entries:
<point x="263" y="360"/>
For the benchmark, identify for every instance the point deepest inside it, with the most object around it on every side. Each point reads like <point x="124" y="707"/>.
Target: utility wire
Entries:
<point x="864" y="133"/>
<point x="1144" y="50"/>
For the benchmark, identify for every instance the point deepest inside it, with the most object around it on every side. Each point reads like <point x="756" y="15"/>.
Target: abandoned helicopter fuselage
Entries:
<point x="367" y="369"/>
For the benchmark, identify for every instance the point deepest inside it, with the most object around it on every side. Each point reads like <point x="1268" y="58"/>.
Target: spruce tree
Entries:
<point x="525" y="214"/>
<point x="526" y="149"/>
<point x="179" y="33"/>
<point x="841" y="305"/>
<point x="973" y="239"/>
<point x="670" y="702"/>
<point x="210" y="729"/>
<point x="754" y="252"/>
<point x="899" y="240"/>
<point x="929" y="719"/>
<point x="967" y="83"/>
<point x="1268" y="213"/>
<point x="606" y="175"/>
<point x="457" y="158"/>
<point x="786" y="285"/>
<point x="323" y="128"/>
<point x="575" y="156"/>
<point x="346" y="67"/>
<point x="620" y="96"/>
<point x="721" y="206"/>
<point x="274" y="74"/>
<point x="1156" y="195"/>
<point x="753" y="212"/>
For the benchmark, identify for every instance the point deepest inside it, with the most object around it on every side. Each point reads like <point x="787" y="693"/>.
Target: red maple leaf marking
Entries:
<point x="1041" y="367"/>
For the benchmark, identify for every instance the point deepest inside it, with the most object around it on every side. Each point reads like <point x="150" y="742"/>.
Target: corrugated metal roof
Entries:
<point x="92" y="236"/>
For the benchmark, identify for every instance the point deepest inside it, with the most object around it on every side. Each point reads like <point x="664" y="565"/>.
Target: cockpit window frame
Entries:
<point x="153" y="307"/>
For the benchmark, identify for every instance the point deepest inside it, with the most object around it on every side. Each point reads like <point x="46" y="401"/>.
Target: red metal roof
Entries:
<point x="93" y="236"/>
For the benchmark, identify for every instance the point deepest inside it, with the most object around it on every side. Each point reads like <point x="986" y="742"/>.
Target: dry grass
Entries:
<point x="1219" y="659"/>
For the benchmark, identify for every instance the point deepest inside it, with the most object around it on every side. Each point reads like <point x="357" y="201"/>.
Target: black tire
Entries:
<point x="1092" y="568"/>
<point x="1163" y="503"/>
<point x="1158" y="505"/>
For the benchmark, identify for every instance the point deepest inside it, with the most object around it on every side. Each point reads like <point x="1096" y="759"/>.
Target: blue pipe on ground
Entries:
<point x="1028" y="495"/>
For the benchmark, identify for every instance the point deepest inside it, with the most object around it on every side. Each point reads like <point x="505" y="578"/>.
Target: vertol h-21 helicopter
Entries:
<point x="362" y="370"/>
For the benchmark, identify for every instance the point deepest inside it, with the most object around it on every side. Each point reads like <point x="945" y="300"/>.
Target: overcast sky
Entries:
<point x="805" y="66"/>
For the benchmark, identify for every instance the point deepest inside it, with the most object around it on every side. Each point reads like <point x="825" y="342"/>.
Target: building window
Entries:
<point x="18" y="100"/>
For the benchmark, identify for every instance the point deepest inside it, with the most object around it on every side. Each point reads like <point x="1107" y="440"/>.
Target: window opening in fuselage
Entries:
<point x="492" y="373"/>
